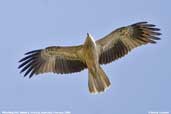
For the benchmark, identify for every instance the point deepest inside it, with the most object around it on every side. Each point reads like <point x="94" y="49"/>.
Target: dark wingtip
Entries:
<point x="140" y="23"/>
<point x="153" y="42"/>
<point x="148" y="32"/>
<point x="27" y="61"/>
<point x="21" y="60"/>
<point x="149" y="25"/>
<point x="19" y="67"/>
<point x="22" y="70"/>
<point x="144" y="23"/>
<point x="158" y="33"/>
<point x="155" y="29"/>
<point x="34" y="51"/>
<point x="25" y="75"/>
<point x="155" y="38"/>
<point x="30" y="76"/>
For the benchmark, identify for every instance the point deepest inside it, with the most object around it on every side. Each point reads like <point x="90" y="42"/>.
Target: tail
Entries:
<point x="98" y="81"/>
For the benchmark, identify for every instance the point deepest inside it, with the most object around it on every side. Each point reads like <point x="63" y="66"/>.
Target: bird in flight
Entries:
<point x="90" y="55"/>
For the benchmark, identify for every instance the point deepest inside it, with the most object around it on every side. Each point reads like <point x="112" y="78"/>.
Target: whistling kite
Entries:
<point x="70" y="59"/>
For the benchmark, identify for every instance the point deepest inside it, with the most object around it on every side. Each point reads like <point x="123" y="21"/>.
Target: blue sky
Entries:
<point x="140" y="80"/>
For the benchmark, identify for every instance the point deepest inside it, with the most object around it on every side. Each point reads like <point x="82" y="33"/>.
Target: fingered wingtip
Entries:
<point x="34" y="51"/>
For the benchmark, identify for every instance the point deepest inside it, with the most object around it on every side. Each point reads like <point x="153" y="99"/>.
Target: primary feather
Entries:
<point x="121" y="41"/>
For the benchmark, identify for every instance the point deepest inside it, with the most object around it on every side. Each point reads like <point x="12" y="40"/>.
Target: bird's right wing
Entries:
<point x="119" y="42"/>
<point x="53" y="59"/>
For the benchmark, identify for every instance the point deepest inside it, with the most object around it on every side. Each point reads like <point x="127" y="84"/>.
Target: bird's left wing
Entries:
<point x="54" y="59"/>
<point x="118" y="43"/>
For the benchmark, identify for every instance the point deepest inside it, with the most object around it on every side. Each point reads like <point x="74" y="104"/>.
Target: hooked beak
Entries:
<point x="89" y="38"/>
<point x="89" y="35"/>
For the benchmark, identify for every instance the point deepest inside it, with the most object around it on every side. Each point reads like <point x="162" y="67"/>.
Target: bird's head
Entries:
<point x="89" y="40"/>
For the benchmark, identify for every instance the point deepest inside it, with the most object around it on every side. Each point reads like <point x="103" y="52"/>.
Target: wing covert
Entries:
<point x="121" y="41"/>
<point x="54" y="59"/>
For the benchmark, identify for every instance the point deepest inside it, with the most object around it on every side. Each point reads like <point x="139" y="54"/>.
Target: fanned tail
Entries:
<point x="98" y="82"/>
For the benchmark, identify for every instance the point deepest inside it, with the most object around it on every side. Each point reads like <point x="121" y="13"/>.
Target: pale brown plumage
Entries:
<point x="58" y="59"/>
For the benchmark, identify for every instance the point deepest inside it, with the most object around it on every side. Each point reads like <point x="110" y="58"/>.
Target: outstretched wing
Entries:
<point x="119" y="42"/>
<point x="52" y="59"/>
